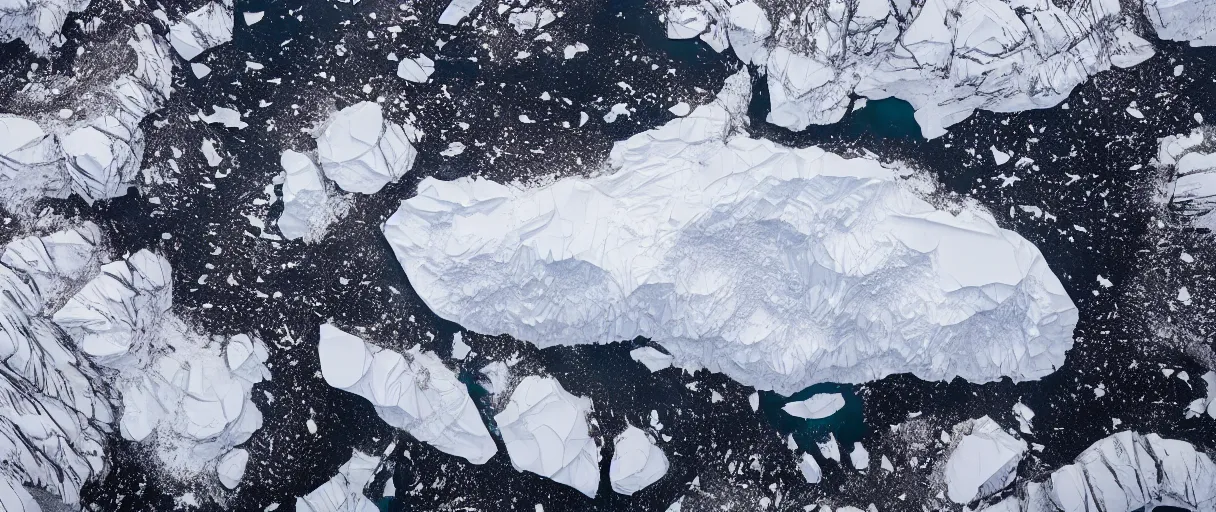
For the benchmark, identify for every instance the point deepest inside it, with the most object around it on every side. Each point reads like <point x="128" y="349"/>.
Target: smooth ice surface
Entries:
<point x="816" y="407"/>
<point x="416" y="70"/>
<point x="636" y="461"/>
<point x="361" y="151"/>
<point x="1190" y="161"/>
<point x="414" y="392"/>
<point x="205" y="28"/>
<point x="985" y="461"/>
<point x="810" y="469"/>
<point x="680" y="244"/>
<point x="231" y="467"/>
<point x="37" y="22"/>
<point x="652" y="358"/>
<point x="546" y="432"/>
<point x="309" y="204"/>
<point x="343" y="492"/>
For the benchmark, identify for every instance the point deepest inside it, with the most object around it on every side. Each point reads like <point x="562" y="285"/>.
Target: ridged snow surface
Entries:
<point x="414" y="392"/>
<point x="37" y="22"/>
<point x="779" y="267"/>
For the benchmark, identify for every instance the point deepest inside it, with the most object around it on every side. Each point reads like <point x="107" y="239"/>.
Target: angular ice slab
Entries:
<point x="636" y="461"/>
<point x="344" y="492"/>
<point x="414" y="392"/>
<point x="546" y="432"/>
<point x="1192" y="187"/>
<point x="37" y="22"/>
<point x="779" y="267"/>
<point x="1123" y="472"/>
<point x="309" y="204"/>
<point x="362" y="152"/>
<point x="652" y="358"/>
<point x="204" y="29"/>
<point x="816" y="407"/>
<point x="985" y="461"/>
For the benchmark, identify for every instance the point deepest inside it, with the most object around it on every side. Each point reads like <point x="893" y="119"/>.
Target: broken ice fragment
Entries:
<point x="816" y="407"/>
<point x="985" y="461"/>
<point x="652" y="358"/>
<point x="636" y="461"/>
<point x="416" y="70"/>
<point x="362" y="152"/>
<point x="202" y="30"/>
<point x="344" y="492"/>
<point x="546" y="432"/>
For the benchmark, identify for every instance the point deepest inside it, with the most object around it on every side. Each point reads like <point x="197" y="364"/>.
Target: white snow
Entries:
<point x="414" y="392"/>
<point x="652" y="358"/>
<point x="362" y="152"/>
<point x="677" y="244"/>
<point x="546" y="432"/>
<point x="816" y="407"/>
<point x="309" y="204"/>
<point x="636" y="461"/>
<point x="344" y="492"/>
<point x="985" y="461"/>
<point x="209" y="26"/>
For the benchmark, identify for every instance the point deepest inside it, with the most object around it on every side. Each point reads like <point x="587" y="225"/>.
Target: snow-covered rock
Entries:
<point x="677" y="244"/>
<point x="652" y="358"/>
<point x="189" y="391"/>
<point x="636" y="461"/>
<point x="1193" y="21"/>
<point x="37" y="22"/>
<point x="1190" y="161"/>
<point x="546" y="432"/>
<point x="947" y="58"/>
<point x="344" y="492"/>
<point x="205" y="28"/>
<point x="310" y="204"/>
<point x="95" y="156"/>
<point x="362" y="152"/>
<point x="1122" y="472"/>
<point x="816" y="407"/>
<point x="985" y="461"/>
<point x="54" y="409"/>
<point x="414" y="392"/>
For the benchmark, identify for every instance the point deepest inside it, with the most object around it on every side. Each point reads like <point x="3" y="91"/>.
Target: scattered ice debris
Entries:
<point x="816" y="407"/>
<point x="361" y="152"/>
<point x="414" y="392"/>
<point x="636" y="461"/>
<point x="546" y="432"/>
<point x="498" y="377"/>
<point x="651" y="357"/>
<point x="984" y="461"/>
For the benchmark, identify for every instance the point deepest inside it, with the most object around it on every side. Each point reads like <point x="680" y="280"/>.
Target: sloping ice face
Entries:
<point x="779" y="267"/>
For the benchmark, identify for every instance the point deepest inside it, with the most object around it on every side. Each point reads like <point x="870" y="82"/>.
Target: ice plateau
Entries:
<point x="780" y="267"/>
<point x="361" y="151"/>
<point x="546" y="432"/>
<point x="636" y="461"/>
<point x="413" y="391"/>
<point x="947" y="58"/>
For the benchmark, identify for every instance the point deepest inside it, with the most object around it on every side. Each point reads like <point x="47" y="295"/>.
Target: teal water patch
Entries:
<point x="389" y="504"/>
<point x="889" y="118"/>
<point x="847" y="424"/>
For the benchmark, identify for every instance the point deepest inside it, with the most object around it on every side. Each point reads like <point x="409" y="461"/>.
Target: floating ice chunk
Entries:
<point x="886" y="465"/>
<point x="1024" y="416"/>
<point x="1207" y="404"/>
<point x="460" y="349"/>
<point x="617" y="110"/>
<point x="1192" y="189"/>
<point x="201" y="30"/>
<point x="574" y="49"/>
<point x="253" y="17"/>
<point x="546" y="432"/>
<point x="231" y="468"/>
<point x="199" y="69"/>
<point x="687" y="21"/>
<point x="829" y="448"/>
<point x="225" y="116"/>
<point x="810" y="469"/>
<point x="361" y="152"/>
<point x="999" y="156"/>
<point x="417" y="70"/>
<point x="309" y="204"/>
<point x="816" y="407"/>
<point x="651" y="357"/>
<point x="39" y="23"/>
<point x="414" y="392"/>
<point x="646" y="250"/>
<point x="747" y="29"/>
<point x="636" y="461"/>
<point x="680" y="109"/>
<point x="859" y="457"/>
<point x="344" y="492"/>
<point x="985" y="461"/>
<point x="457" y="10"/>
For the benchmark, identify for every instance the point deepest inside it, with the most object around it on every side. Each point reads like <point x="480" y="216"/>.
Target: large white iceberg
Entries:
<point x="1123" y="472"/>
<point x="414" y="392"/>
<point x="1191" y="169"/>
<point x="205" y="28"/>
<point x="309" y="203"/>
<point x="546" y="432"/>
<point x="780" y="267"/>
<point x="636" y="461"/>
<point x="985" y="461"/>
<point x="816" y="407"/>
<point x="361" y="151"/>
<point x="947" y="58"/>
<point x="37" y="22"/>
<point x="344" y="492"/>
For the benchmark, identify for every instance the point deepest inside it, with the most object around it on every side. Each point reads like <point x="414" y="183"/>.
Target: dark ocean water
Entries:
<point x="738" y="457"/>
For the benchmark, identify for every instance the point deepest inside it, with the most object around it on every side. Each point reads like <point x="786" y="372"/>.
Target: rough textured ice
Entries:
<point x="344" y="492"/>
<point x="546" y="432"/>
<point x="362" y="152"/>
<point x="1190" y="161"/>
<point x="209" y="26"/>
<point x="947" y="58"/>
<point x="636" y="461"/>
<point x="779" y="267"/>
<point x="985" y="461"/>
<point x="1183" y="20"/>
<point x="414" y="392"/>
<point x="816" y="407"/>
<point x="37" y="22"/>
<point x="96" y="157"/>
<point x="309" y="203"/>
<point x="54" y="411"/>
<point x="652" y="358"/>
<point x="190" y="391"/>
<point x="1123" y="472"/>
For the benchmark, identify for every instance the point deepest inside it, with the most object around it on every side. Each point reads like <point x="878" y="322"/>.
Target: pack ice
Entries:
<point x="414" y="392"/>
<point x="947" y="58"/>
<point x="546" y="432"/>
<point x="780" y="267"/>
